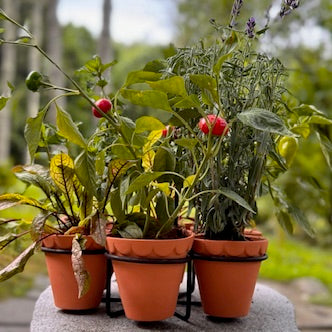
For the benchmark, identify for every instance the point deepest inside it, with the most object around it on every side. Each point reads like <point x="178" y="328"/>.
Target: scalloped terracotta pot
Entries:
<point x="149" y="292"/>
<point x="61" y="275"/>
<point x="227" y="287"/>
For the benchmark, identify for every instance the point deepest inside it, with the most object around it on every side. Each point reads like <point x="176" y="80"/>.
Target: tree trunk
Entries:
<point x="105" y="50"/>
<point x="54" y="50"/>
<point x="7" y="74"/>
<point x="34" y="59"/>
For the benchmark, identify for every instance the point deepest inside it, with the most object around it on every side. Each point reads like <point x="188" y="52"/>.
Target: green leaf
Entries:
<point x="189" y="180"/>
<point x="120" y="150"/>
<point x="285" y="221"/>
<point x="264" y="120"/>
<point x="82" y="276"/>
<point x="236" y="198"/>
<point x="62" y="172"/>
<point x="141" y="76"/>
<point x="85" y="170"/>
<point x="37" y="226"/>
<point x="100" y="162"/>
<point x="32" y="132"/>
<point x="326" y="147"/>
<point x="206" y="82"/>
<point x="174" y="85"/>
<point x="132" y="231"/>
<point x="18" y="264"/>
<point x="3" y="102"/>
<point x="10" y="200"/>
<point x="7" y="239"/>
<point x="68" y="129"/>
<point x="221" y="60"/>
<point x="117" y="206"/>
<point x="86" y="204"/>
<point x="188" y="143"/>
<point x="191" y="101"/>
<point x="143" y="180"/>
<point x="319" y="119"/>
<point x="148" y="123"/>
<point x="117" y="168"/>
<point x="301" y="220"/>
<point x="164" y="160"/>
<point x="306" y="110"/>
<point x="147" y="98"/>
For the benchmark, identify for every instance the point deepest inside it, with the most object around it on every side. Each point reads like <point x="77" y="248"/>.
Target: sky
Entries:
<point x="150" y="21"/>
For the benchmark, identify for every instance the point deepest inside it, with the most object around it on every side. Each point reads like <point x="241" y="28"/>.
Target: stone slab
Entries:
<point x="270" y="311"/>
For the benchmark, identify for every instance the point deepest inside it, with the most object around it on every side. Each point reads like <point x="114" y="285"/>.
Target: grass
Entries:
<point x="291" y="259"/>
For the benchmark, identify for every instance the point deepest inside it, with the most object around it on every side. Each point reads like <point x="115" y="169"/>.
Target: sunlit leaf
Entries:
<point x="148" y="160"/>
<point x="148" y="123"/>
<point x="10" y="200"/>
<point x="117" y="168"/>
<point x="143" y="180"/>
<point x="189" y="180"/>
<point x="141" y="76"/>
<point x="174" y="85"/>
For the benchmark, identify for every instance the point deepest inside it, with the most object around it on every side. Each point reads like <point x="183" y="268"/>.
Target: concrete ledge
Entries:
<point x="270" y="311"/>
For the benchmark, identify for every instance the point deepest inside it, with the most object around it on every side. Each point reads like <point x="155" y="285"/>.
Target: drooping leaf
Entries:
<point x="32" y="132"/>
<point x="62" y="172"/>
<point x="301" y="219"/>
<point x="37" y="226"/>
<point x="174" y="85"/>
<point x="10" y="200"/>
<point x="143" y="180"/>
<point x="81" y="274"/>
<point x="97" y="229"/>
<point x="148" y="98"/>
<point x="7" y="239"/>
<point x="236" y="198"/>
<point x="68" y="129"/>
<point x="18" y="264"/>
<point x="326" y="147"/>
<point x="86" y="171"/>
<point x="264" y="120"/>
<point x="285" y="221"/>
<point x="131" y="231"/>
<point x="148" y="123"/>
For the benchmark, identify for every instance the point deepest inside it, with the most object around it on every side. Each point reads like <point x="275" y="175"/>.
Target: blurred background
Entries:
<point x="134" y="32"/>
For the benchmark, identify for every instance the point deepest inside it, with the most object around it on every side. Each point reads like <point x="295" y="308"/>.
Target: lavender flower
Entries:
<point x="250" y="27"/>
<point x="235" y="11"/>
<point x="288" y="6"/>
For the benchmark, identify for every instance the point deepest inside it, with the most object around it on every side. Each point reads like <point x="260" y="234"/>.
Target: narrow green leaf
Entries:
<point x="174" y="85"/>
<point x="116" y="205"/>
<point x="236" y="198"/>
<point x="326" y="147"/>
<point x="7" y="239"/>
<point x="68" y="129"/>
<point x="85" y="170"/>
<point x="285" y="221"/>
<point x="143" y="180"/>
<point x="301" y="220"/>
<point x="148" y="98"/>
<point x="32" y="132"/>
<point x="18" y="264"/>
<point x="86" y="204"/>
<point x="148" y="123"/>
<point x="264" y="120"/>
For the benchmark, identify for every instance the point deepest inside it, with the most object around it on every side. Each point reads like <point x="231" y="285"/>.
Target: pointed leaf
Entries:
<point x="68" y="129"/>
<point x="149" y="98"/>
<point x="7" y="239"/>
<point x="141" y="76"/>
<point x="62" y="172"/>
<point x="132" y="231"/>
<point x="206" y="82"/>
<point x="116" y="205"/>
<point x="164" y="160"/>
<point x="264" y="120"/>
<point x="86" y="171"/>
<point x="3" y="102"/>
<point x="148" y="160"/>
<point x="18" y="264"/>
<point x="285" y="221"/>
<point x="189" y="180"/>
<point x="236" y="198"/>
<point x="148" y="123"/>
<point x="81" y="275"/>
<point x="10" y="200"/>
<point x="143" y="180"/>
<point x="98" y="229"/>
<point x="32" y="132"/>
<point x="174" y="85"/>
<point x="37" y="226"/>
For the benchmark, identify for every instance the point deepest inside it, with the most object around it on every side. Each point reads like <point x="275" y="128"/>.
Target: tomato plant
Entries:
<point x="104" y="104"/>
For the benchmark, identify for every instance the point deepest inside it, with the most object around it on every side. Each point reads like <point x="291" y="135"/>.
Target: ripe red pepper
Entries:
<point x="218" y="124"/>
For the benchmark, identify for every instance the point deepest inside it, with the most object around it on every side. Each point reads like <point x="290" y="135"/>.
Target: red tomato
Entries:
<point x="104" y="104"/>
<point x="218" y="124"/>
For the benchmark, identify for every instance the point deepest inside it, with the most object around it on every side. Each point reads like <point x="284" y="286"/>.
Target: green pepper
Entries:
<point x="34" y="81"/>
<point x="287" y="147"/>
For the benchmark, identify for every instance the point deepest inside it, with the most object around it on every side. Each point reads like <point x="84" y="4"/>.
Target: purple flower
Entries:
<point x="237" y="4"/>
<point x="250" y="27"/>
<point x="288" y="6"/>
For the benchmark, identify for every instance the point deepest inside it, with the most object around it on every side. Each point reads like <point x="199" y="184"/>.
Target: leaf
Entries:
<point x="174" y="85"/>
<point x="326" y="147"/>
<point x="143" y="180"/>
<point x="18" y="264"/>
<point x="3" y="102"/>
<point x="306" y="110"/>
<point x="190" y="101"/>
<point x="86" y="204"/>
<point x="318" y="119"/>
<point x="189" y="180"/>
<point x="81" y="275"/>
<point x="97" y="229"/>
<point x="132" y="231"/>
<point x="62" y="172"/>
<point x="206" y="82"/>
<point x="68" y="129"/>
<point x="117" y="168"/>
<point x="117" y="206"/>
<point x="37" y="226"/>
<point x="148" y="160"/>
<point x="141" y="76"/>
<point x="163" y="186"/>
<point x="188" y="143"/>
<point x="35" y="174"/>
<point x="86" y="171"/>
<point x="301" y="220"/>
<point x="217" y="66"/>
<point x="10" y="200"/>
<point x="164" y="160"/>
<point x="148" y="98"/>
<point x="32" y="132"/>
<point x="236" y="198"/>
<point x="7" y="239"/>
<point x="285" y="221"/>
<point x="100" y="162"/>
<point x="264" y="120"/>
<point x="148" y="123"/>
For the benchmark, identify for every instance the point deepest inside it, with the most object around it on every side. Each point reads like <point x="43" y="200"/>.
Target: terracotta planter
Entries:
<point x="149" y="292"/>
<point x="227" y="287"/>
<point x="62" y="279"/>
